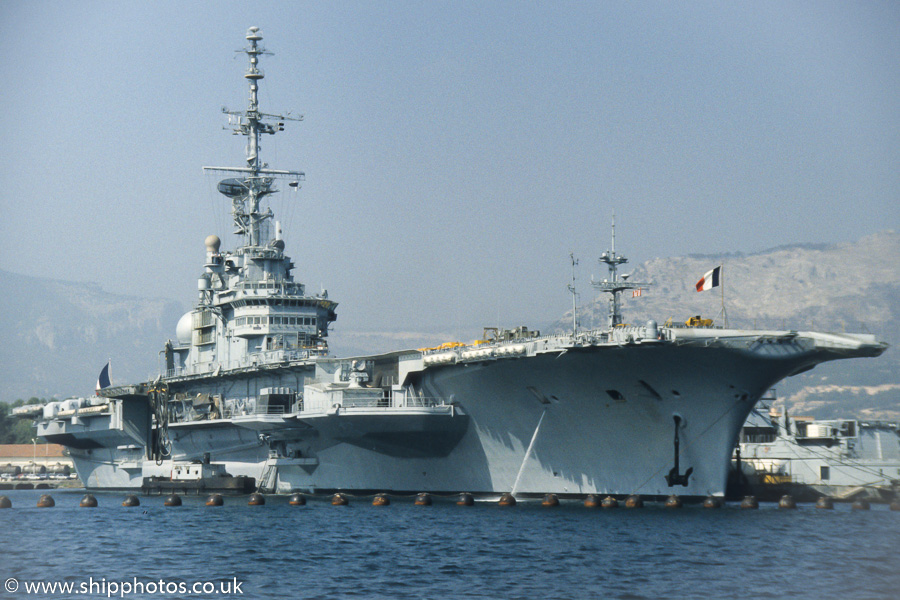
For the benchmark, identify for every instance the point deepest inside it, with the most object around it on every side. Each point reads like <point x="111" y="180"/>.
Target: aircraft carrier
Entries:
<point x="249" y="388"/>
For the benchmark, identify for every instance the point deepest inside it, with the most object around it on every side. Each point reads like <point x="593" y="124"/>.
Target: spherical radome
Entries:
<point x="183" y="329"/>
<point x="212" y="243"/>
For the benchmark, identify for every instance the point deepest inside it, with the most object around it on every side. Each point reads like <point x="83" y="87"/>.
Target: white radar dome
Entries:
<point x="212" y="243"/>
<point x="183" y="329"/>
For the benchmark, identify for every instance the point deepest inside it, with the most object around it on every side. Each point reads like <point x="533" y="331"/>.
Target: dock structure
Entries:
<point x="34" y="466"/>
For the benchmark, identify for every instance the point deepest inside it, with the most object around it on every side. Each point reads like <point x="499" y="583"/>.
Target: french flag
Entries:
<point x="709" y="280"/>
<point x="103" y="380"/>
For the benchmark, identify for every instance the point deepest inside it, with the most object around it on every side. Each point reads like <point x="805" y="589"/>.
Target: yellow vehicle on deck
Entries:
<point x="698" y="322"/>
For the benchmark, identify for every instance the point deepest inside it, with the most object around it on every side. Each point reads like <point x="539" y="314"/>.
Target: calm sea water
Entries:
<point x="447" y="551"/>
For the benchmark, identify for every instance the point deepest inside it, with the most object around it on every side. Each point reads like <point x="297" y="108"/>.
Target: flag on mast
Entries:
<point x="709" y="280"/>
<point x="103" y="380"/>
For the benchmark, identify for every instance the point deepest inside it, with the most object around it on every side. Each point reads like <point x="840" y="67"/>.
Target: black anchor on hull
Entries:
<point x="674" y="477"/>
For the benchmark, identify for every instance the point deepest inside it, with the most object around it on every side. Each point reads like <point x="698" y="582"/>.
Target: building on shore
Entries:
<point x="37" y="459"/>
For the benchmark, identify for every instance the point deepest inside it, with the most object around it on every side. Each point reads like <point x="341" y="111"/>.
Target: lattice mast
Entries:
<point x="255" y="181"/>
<point x="613" y="285"/>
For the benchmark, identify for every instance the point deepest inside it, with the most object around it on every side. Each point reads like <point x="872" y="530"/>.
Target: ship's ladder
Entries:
<point x="267" y="479"/>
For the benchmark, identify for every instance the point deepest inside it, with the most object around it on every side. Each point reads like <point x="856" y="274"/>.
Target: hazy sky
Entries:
<point x="455" y="152"/>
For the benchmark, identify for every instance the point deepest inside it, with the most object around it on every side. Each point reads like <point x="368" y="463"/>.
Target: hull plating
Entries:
<point x="597" y="420"/>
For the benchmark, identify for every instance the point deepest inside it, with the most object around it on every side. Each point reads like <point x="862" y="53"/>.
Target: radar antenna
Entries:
<point x="612" y="284"/>
<point x="255" y="181"/>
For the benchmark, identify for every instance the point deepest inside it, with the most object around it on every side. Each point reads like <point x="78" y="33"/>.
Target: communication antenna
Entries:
<point x="574" y="296"/>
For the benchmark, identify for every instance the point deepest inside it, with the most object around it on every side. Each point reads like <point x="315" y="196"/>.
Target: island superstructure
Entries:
<point x="249" y="388"/>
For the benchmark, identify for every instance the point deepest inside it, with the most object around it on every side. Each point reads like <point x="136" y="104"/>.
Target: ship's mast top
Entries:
<point x="253" y="76"/>
<point x="612" y="284"/>
<point x="254" y="181"/>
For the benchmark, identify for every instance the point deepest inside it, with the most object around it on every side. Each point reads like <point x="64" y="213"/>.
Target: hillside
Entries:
<point x="847" y="287"/>
<point x="57" y="335"/>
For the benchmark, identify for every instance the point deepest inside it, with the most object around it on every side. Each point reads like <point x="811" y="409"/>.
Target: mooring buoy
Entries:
<point x="215" y="500"/>
<point x="673" y="501"/>
<point x="256" y="499"/>
<point x="46" y="501"/>
<point x="89" y="501"/>
<point x="591" y="501"/>
<point x="339" y="500"/>
<point x="131" y="500"/>
<point x="609" y="502"/>
<point x="861" y="504"/>
<point x="634" y="501"/>
<point x="507" y="499"/>
<point x="423" y="499"/>
<point x="825" y="502"/>
<point x="750" y="502"/>
<point x="5" y="502"/>
<point x="787" y="501"/>
<point x="550" y="500"/>
<point x="173" y="500"/>
<point x="712" y="502"/>
<point x="297" y="500"/>
<point x="466" y="499"/>
<point x="381" y="500"/>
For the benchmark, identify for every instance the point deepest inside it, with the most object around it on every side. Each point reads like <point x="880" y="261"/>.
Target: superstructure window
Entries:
<point x="758" y="435"/>
<point x="824" y="473"/>
<point x="615" y="395"/>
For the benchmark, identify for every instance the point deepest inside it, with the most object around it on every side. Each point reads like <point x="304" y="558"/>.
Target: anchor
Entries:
<point x="674" y="477"/>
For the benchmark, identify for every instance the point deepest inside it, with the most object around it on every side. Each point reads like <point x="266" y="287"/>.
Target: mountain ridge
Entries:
<point x="60" y="331"/>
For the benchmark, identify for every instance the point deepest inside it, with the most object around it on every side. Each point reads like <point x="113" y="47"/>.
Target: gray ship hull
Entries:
<point x="577" y="420"/>
<point x="583" y="440"/>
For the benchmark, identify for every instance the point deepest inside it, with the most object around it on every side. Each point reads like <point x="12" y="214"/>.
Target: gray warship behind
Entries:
<point x="843" y="459"/>
<point x="249" y="389"/>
